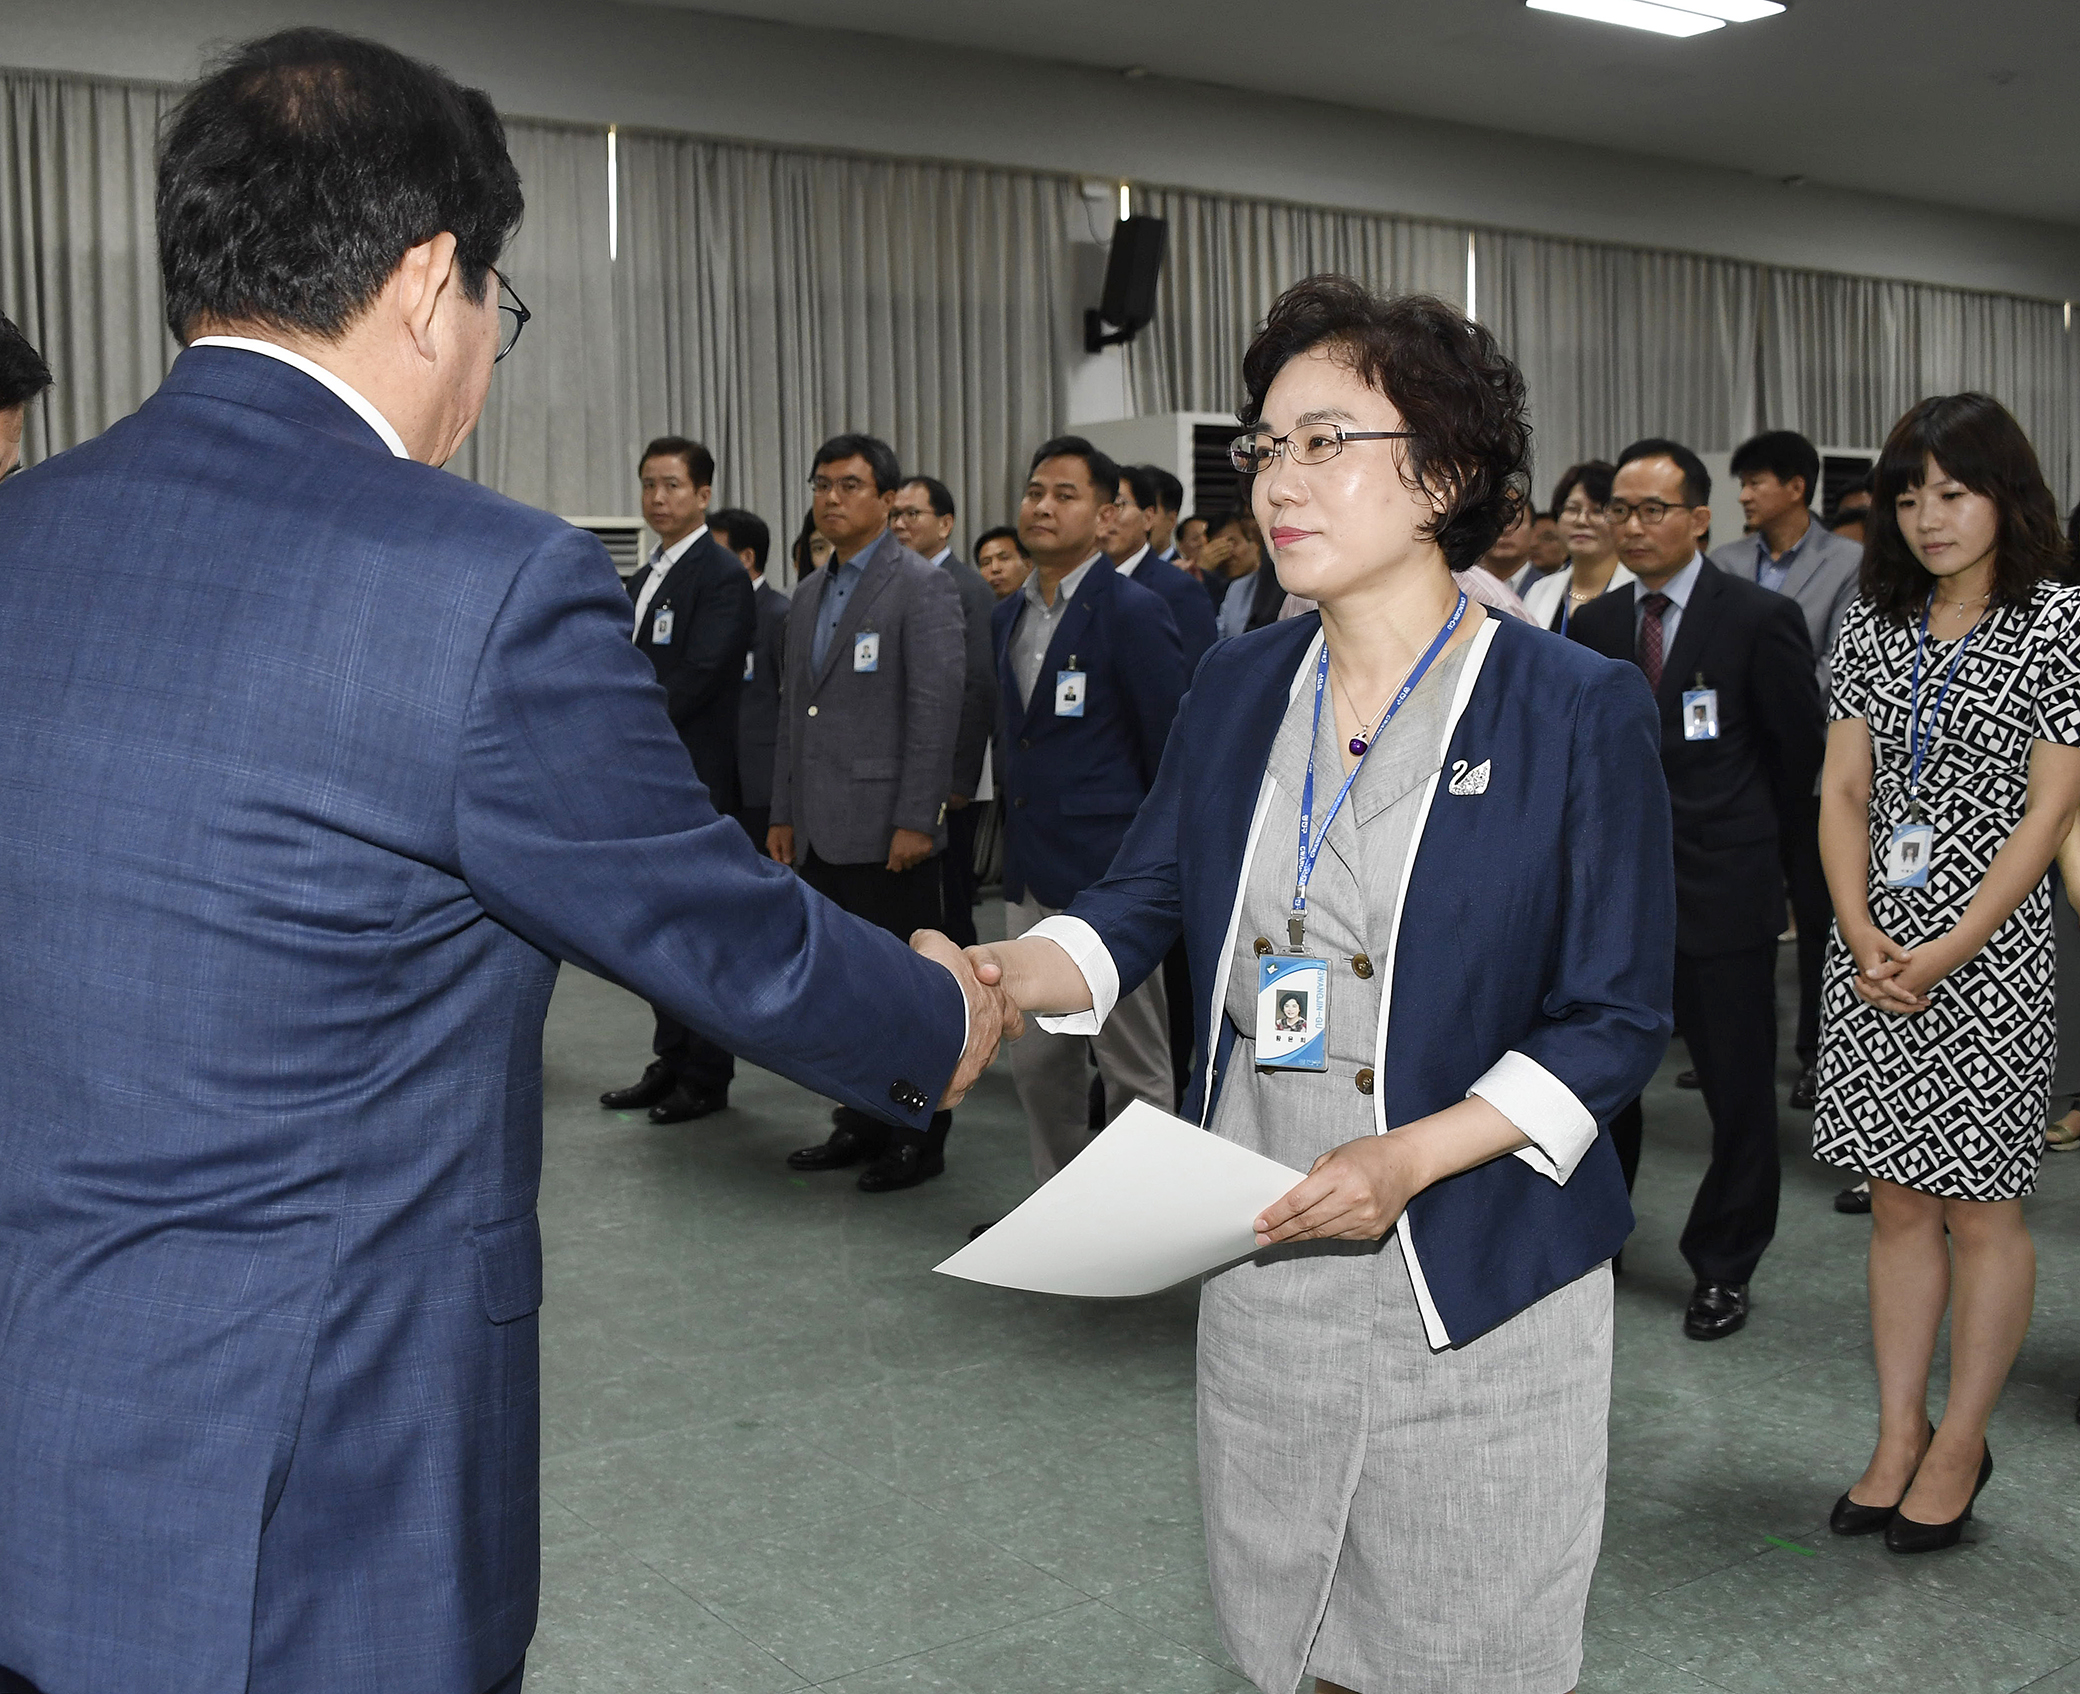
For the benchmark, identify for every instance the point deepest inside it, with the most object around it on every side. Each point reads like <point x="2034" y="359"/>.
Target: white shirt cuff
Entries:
<point x="1088" y="954"/>
<point x="1559" y="1126"/>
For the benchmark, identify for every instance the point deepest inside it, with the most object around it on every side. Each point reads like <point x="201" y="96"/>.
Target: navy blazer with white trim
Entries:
<point x="1547" y="991"/>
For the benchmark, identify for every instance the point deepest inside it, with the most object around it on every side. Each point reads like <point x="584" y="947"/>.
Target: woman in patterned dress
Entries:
<point x="1953" y="774"/>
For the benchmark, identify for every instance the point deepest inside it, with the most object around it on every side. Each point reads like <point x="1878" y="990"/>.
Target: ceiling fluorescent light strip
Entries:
<point x="1733" y="11"/>
<point x="1633" y="14"/>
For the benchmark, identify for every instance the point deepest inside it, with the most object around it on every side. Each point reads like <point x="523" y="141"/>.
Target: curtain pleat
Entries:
<point x="764" y="298"/>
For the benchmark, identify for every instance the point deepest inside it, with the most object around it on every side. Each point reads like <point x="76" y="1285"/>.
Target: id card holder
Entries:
<point x="661" y="628"/>
<point x="1068" y="694"/>
<point x="1908" y="853"/>
<point x="1292" y="1012"/>
<point x="866" y="651"/>
<point x="1700" y="714"/>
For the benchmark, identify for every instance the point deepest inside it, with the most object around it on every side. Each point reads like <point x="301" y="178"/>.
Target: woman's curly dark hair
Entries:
<point x="1975" y="439"/>
<point x="1453" y="386"/>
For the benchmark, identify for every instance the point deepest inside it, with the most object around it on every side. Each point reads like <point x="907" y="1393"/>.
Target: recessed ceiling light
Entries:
<point x="1664" y="17"/>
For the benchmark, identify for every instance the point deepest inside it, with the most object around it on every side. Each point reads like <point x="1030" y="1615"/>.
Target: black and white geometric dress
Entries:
<point x="1951" y="1101"/>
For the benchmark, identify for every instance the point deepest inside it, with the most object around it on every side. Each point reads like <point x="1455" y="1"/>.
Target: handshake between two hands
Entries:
<point x="994" y="1016"/>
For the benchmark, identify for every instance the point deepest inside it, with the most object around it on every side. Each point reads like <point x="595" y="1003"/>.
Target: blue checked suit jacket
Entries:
<point x="313" y="764"/>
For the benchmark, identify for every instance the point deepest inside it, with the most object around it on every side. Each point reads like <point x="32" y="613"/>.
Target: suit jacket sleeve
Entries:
<point x="979" y="703"/>
<point x="1845" y="596"/>
<point x="720" y="619"/>
<point x="935" y="677"/>
<point x="1605" y="1018"/>
<point x="1151" y="659"/>
<point x="1784" y="693"/>
<point x="579" y="827"/>
<point x="796" y="641"/>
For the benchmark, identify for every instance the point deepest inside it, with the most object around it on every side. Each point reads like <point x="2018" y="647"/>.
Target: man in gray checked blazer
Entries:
<point x="870" y="709"/>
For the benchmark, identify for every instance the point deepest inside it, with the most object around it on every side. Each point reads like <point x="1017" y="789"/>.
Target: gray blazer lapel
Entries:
<point x="1810" y="558"/>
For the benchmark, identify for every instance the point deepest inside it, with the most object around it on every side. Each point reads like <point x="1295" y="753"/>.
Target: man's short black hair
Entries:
<point x="1784" y="453"/>
<point x="23" y="374"/>
<point x="700" y="463"/>
<point x="736" y="529"/>
<point x="1101" y="469"/>
<point x="936" y="491"/>
<point x="881" y="459"/>
<point x="1169" y="491"/>
<point x="1003" y="532"/>
<point x="294" y="179"/>
<point x="1139" y="484"/>
<point x="1697" y="481"/>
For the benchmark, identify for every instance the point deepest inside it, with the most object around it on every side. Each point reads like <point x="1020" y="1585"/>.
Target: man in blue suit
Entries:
<point x="1092" y="670"/>
<point x="1128" y="543"/>
<point x="287" y="862"/>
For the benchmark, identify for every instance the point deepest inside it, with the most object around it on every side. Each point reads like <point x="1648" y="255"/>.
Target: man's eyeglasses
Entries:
<point x="1311" y="444"/>
<point x="849" y="486"/>
<point x="512" y="317"/>
<point x="1650" y="512"/>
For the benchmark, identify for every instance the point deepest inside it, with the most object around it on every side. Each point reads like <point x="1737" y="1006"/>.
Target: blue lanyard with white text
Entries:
<point x="1310" y="841"/>
<point x="1917" y="739"/>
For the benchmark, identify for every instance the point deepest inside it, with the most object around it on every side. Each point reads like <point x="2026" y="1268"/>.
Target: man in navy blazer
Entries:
<point x="695" y="617"/>
<point x="1732" y="669"/>
<point x="287" y="862"/>
<point x="1127" y="543"/>
<point x="1092" y="670"/>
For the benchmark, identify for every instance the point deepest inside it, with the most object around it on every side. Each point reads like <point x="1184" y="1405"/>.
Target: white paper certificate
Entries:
<point x="1152" y="1201"/>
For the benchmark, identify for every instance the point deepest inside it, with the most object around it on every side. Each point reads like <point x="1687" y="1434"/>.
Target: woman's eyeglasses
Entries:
<point x="1311" y="444"/>
<point x="512" y="317"/>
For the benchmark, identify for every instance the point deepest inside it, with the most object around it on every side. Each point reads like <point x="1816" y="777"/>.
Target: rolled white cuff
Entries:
<point x="1087" y="952"/>
<point x="1561" y="1129"/>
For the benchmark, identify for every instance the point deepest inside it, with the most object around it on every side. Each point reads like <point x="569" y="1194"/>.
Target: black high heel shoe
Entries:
<point x="1904" y="1535"/>
<point x="1849" y="1517"/>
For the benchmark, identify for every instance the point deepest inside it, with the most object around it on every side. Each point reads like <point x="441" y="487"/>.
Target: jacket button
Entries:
<point x="812" y="711"/>
<point x="1019" y="800"/>
<point x="1361" y="966"/>
<point x="901" y="1093"/>
<point x="1364" y="1082"/>
<point x="1024" y="743"/>
<point x="1261" y="945"/>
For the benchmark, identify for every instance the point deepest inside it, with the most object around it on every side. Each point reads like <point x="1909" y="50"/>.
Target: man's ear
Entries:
<point x="422" y="280"/>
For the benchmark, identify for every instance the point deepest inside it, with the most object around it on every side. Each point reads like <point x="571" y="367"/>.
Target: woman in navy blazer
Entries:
<point x="1403" y="1395"/>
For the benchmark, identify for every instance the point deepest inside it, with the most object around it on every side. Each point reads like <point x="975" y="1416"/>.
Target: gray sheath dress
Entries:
<point x="1396" y="1519"/>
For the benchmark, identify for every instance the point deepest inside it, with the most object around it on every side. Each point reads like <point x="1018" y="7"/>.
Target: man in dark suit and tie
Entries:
<point x="695" y="618"/>
<point x="1162" y="522"/>
<point x="870" y="713"/>
<point x="1791" y="553"/>
<point x="923" y="522"/>
<point x="1091" y="670"/>
<point x="23" y="376"/>
<point x="1741" y="742"/>
<point x="1127" y="542"/>
<point x="288" y="861"/>
<point x="758" y="706"/>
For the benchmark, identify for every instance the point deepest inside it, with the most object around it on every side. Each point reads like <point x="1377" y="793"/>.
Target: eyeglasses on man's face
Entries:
<point x="851" y="487"/>
<point x="1310" y="444"/>
<point x="1649" y="512"/>
<point x="512" y="317"/>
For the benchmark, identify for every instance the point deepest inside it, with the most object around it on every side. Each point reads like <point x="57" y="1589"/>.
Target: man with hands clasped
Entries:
<point x="1339" y="831"/>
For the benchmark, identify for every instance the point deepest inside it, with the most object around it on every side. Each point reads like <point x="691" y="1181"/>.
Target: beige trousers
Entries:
<point x="1052" y="1072"/>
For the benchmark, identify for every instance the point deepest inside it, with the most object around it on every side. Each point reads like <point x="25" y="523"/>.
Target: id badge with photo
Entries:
<point x="1068" y="694"/>
<point x="1907" y="855"/>
<point x="866" y="651"/>
<point x="1292" y="1012"/>
<point x="1700" y="714"/>
<point x="661" y="628"/>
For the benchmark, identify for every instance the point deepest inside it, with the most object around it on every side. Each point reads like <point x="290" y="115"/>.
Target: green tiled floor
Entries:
<point x="779" y="1453"/>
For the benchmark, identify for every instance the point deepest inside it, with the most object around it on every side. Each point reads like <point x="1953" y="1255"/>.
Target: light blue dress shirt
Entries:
<point x="830" y="610"/>
<point x="1678" y="588"/>
<point x="1233" y="616"/>
<point x="1772" y="572"/>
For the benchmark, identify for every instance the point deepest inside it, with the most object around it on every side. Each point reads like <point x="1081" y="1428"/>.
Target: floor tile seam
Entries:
<point x="709" y="1611"/>
<point x="2041" y="1681"/>
<point x="1155" y="1628"/>
<point x="992" y="1542"/>
<point x="1655" y="1658"/>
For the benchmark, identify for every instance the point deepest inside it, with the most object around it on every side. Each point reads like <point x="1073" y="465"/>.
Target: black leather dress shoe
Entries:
<point x="847" y="1146"/>
<point x="682" y="1105"/>
<point x="1854" y="1202"/>
<point x="906" y="1164"/>
<point x="1717" y="1309"/>
<point x="1805" y="1092"/>
<point x="1687" y="1079"/>
<point x="1904" y="1535"/>
<point x="656" y="1084"/>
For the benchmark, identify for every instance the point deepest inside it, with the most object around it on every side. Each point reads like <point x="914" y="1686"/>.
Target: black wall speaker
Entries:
<point x="1131" y="271"/>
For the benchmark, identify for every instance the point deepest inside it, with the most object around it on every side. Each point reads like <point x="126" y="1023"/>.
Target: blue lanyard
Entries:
<point x="1311" y="842"/>
<point x="1917" y="738"/>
